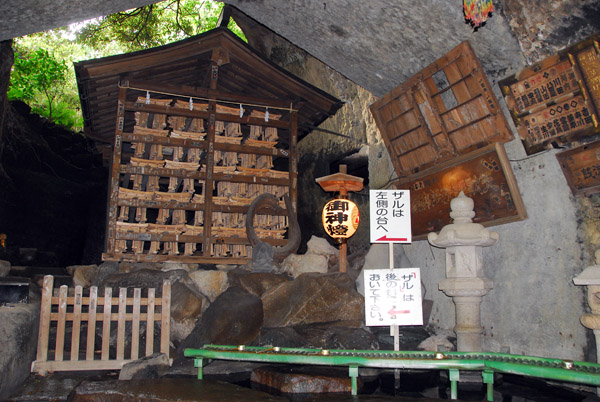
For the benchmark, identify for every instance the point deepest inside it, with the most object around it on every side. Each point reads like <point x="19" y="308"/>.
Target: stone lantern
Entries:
<point x="590" y="277"/>
<point x="465" y="281"/>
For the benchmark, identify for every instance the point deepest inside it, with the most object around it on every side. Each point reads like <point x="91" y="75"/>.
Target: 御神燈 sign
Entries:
<point x="340" y="218"/>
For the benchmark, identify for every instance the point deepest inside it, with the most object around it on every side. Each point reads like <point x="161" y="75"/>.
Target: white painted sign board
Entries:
<point x="393" y="297"/>
<point x="390" y="216"/>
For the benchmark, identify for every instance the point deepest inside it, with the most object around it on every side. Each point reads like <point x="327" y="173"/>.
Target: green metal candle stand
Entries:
<point x="486" y="363"/>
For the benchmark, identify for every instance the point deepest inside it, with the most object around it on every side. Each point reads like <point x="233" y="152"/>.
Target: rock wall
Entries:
<point x="542" y="28"/>
<point x="18" y="341"/>
<point x="357" y="133"/>
<point x="534" y="307"/>
<point x="53" y="195"/>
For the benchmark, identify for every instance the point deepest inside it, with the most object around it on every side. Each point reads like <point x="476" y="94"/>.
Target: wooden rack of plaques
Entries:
<point x="185" y="169"/>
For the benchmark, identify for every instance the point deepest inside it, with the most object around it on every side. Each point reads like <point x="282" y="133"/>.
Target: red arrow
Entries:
<point x="385" y="238"/>
<point x="394" y="312"/>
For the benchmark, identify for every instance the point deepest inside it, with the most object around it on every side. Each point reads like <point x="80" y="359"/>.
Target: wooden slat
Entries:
<point x="76" y="322"/>
<point x="186" y="90"/>
<point x="82" y="365"/>
<point x="100" y="300"/>
<point x="91" y="319"/>
<point x="135" y="324"/>
<point x="60" y="325"/>
<point x="181" y="112"/>
<point x="99" y="318"/>
<point x="44" y="331"/>
<point x="166" y="318"/>
<point x="121" y="323"/>
<point x="64" y="316"/>
<point x="209" y="181"/>
<point x="179" y="258"/>
<point x="111" y="223"/>
<point x="150" y="322"/>
<point x="106" y="323"/>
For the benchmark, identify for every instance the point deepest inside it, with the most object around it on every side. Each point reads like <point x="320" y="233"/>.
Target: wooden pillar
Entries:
<point x="210" y="161"/>
<point x="343" y="261"/>
<point x="293" y="161"/>
<point x="115" y="174"/>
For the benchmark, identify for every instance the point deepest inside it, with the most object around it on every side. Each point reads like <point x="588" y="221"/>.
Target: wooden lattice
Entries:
<point x="184" y="177"/>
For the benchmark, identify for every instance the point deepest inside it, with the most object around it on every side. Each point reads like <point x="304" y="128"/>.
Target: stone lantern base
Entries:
<point x="467" y="294"/>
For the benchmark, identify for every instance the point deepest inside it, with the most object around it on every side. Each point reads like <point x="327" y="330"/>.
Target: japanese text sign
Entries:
<point x="390" y="216"/>
<point x="340" y="218"/>
<point x="393" y="297"/>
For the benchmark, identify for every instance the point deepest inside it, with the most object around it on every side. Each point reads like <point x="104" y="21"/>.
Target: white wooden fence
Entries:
<point x="68" y="314"/>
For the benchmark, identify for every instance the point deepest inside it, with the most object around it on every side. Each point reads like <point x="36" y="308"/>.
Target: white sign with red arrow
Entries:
<point x="393" y="297"/>
<point x="390" y="216"/>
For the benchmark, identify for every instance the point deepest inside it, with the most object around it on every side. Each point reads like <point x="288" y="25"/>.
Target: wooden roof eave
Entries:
<point x="317" y="105"/>
<point x="300" y="88"/>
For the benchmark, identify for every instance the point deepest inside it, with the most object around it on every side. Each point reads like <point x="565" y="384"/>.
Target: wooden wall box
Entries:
<point x="556" y="100"/>
<point x="581" y="167"/>
<point x="446" y="110"/>
<point x="485" y="175"/>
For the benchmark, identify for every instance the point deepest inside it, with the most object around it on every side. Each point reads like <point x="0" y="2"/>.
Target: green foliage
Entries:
<point x="155" y="24"/>
<point x="42" y="75"/>
<point x="39" y="79"/>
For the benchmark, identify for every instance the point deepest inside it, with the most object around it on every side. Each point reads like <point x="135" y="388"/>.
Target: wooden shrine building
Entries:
<point x="194" y="132"/>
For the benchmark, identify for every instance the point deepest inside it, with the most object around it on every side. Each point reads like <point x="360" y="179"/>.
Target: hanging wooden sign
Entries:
<point x="556" y="100"/>
<point x="581" y="167"/>
<point x="446" y="110"/>
<point x="484" y="175"/>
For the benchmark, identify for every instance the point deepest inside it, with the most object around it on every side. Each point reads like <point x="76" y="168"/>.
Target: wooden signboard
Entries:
<point x="557" y="99"/>
<point x="581" y="167"/>
<point x="446" y="110"/>
<point x="484" y="175"/>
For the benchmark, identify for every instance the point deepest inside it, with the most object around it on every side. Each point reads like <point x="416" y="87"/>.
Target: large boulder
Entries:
<point x="142" y="278"/>
<point x="235" y="317"/>
<point x="298" y="264"/>
<point x="104" y="270"/>
<point x="320" y="246"/>
<point x="322" y="336"/>
<point x="287" y="336"/>
<point x="304" y="380"/>
<point x="18" y="340"/>
<point x="187" y="305"/>
<point x="313" y="298"/>
<point x="258" y="283"/>
<point x="210" y="283"/>
<point x="4" y="268"/>
<point x="148" y="367"/>
<point x="82" y="274"/>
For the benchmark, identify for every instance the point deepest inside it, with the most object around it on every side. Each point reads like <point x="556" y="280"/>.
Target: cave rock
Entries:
<point x="313" y="298"/>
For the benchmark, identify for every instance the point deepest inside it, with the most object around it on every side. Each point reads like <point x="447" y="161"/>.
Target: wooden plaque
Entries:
<point x="581" y="167"/>
<point x="557" y="99"/>
<point x="446" y="110"/>
<point x="484" y="175"/>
